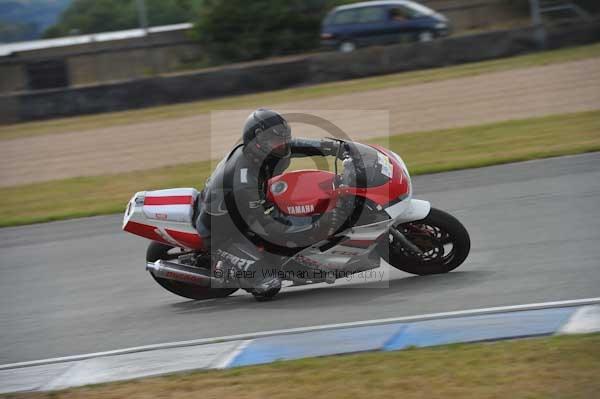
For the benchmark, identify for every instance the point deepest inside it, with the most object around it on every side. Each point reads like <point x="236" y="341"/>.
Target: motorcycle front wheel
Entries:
<point x="443" y="240"/>
<point x="157" y="251"/>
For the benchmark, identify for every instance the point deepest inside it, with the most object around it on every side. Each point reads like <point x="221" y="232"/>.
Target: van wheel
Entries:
<point x="347" y="47"/>
<point x="425" y="36"/>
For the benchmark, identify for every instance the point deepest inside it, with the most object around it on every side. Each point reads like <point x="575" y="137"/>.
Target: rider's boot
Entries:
<point x="266" y="289"/>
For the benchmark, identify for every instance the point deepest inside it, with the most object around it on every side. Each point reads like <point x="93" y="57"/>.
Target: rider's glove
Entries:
<point x="328" y="147"/>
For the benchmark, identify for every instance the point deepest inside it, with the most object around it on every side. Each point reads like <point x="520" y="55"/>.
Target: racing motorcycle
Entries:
<point x="379" y="219"/>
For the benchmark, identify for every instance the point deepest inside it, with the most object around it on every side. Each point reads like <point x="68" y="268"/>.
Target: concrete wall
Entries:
<point x="160" y="90"/>
<point x="102" y="66"/>
<point x="111" y="61"/>
<point x="438" y="53"/>
<point x="126" y="64"/>
<point x="12" y="78"/>
<point x="475" y="14"/>
<point x="103" y="62"/>
<point x="262" y="76"/>
<point x="10" y="109"/>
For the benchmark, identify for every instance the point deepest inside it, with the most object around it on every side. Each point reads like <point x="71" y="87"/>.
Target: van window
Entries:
<point x="371" y="14"/>
<point x="408" y="11"/>
<point x="400" y="14"/>
<point x="345" y="17"/>
<point x="419" y="10"/>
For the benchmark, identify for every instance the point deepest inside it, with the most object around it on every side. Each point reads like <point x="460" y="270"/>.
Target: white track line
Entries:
<point x="249" y="336"/>
<point x="226" y="361"/>
<point x="585" y="320"/>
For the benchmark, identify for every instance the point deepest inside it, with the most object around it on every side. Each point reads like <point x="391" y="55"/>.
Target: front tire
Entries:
<point x="443" y="240"/>
<point x="157" y="251"/>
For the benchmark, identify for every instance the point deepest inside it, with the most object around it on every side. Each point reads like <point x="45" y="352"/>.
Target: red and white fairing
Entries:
<point x="310" y="192"/>
<point x="302" y="192"/>
<point x="377" y="177"/>
<point x="164" y="216"/>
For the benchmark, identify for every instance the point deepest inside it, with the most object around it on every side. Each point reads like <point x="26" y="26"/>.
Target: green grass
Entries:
<point x="301" y="93"/>
<point x="550" y="367"/>
<point x="424" y="152"/>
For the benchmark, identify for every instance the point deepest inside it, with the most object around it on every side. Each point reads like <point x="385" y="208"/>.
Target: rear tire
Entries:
<point x="433" y="235"/>
<point x="267" y="296"/>
<point x="157" y="251"/>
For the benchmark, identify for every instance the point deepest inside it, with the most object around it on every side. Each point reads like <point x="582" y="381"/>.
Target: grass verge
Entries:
<point x="83" y="123"/>
<point x="424" y="152"/>
<point x="552" y="367"/>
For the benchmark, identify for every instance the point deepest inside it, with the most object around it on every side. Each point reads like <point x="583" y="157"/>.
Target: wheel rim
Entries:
<point x="347" y="47"/>
<point x="437" y="245"/>
<point x="425" y="37"/>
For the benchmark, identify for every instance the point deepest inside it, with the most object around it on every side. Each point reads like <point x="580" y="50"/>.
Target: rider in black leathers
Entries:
<point x="233" y="202"/>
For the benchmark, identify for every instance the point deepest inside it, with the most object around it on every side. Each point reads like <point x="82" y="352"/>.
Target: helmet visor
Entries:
<point x="276" y="141"/>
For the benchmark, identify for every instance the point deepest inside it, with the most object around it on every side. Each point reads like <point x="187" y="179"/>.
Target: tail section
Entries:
<point x="165" y="216"/>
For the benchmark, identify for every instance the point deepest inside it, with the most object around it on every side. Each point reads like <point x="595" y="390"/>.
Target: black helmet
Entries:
<point x="267" y="133"/>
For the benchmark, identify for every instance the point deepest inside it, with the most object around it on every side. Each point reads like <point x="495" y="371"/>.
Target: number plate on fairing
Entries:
<point x="387" y="169"/>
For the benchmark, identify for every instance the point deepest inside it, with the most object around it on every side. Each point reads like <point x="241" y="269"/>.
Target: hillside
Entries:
<point x="27" y="19"/>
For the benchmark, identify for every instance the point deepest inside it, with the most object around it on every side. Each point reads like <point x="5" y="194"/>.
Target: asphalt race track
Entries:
<point x="79" y="286"/>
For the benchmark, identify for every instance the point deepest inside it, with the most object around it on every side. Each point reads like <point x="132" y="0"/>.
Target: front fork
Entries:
<point x="404" y="242"/>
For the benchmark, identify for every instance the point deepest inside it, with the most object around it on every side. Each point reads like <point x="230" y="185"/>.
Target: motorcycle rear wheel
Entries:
<point x="157" y="251"/>
<point x="444" y="241"/>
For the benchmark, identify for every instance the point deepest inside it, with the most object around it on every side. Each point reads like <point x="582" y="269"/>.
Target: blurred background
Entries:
<point x="69" y="44"/>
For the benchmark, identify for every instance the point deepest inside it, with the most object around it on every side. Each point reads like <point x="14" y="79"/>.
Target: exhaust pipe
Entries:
<point x="181" y="273"/>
